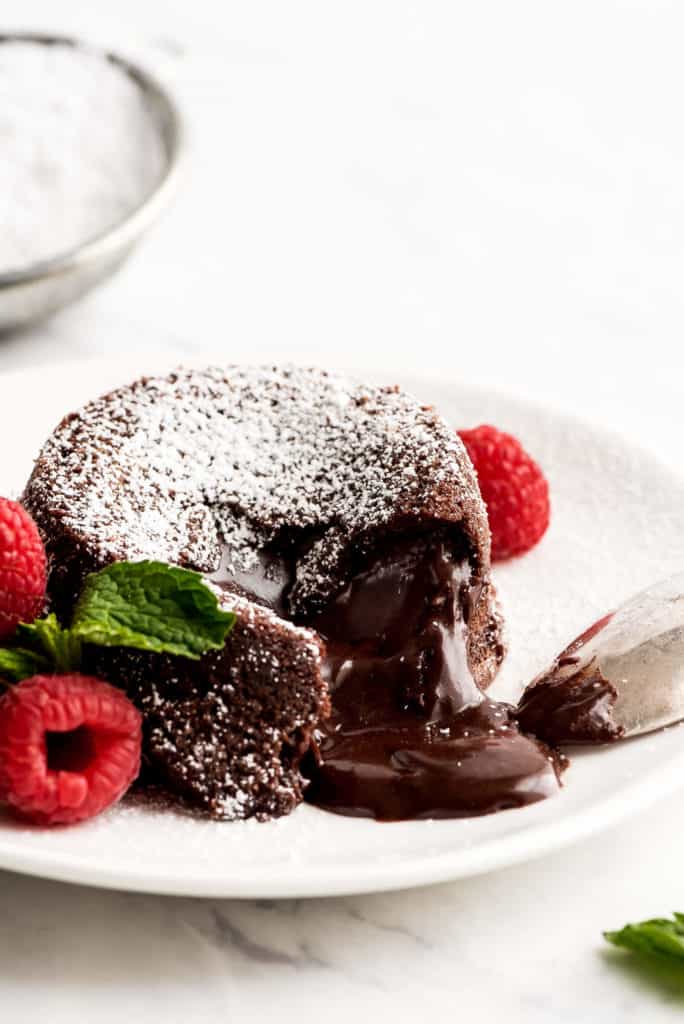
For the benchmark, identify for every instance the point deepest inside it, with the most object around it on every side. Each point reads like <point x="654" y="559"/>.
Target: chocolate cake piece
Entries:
<point x="279" y="484"/>
<point x="227" y="733"/>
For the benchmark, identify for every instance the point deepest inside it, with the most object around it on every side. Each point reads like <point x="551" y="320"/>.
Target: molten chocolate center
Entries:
<point x="410" y="735"/>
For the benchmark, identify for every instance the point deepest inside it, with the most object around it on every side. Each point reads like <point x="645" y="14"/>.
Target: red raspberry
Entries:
<point x="22" y="567"/>
<point x="69" y="747"/>
<point x="513" y="487"/>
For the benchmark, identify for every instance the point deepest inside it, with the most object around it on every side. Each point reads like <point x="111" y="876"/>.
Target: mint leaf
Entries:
<point x="16" y="664"/>
<point x="60" y="646"/>
<point x="151" y="606"/>
<point x="147" y="605"/>
<point x="659" y="937"/>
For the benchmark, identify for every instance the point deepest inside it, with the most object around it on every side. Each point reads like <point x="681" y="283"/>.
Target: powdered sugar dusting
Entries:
<point x="248" y="611"/>
<point x="178" y="467"/>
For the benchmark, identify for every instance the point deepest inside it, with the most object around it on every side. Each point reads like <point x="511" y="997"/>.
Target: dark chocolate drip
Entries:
<point x="411" y="735"/>
<point x="571" y="709"/>
<point x="571" y="704"/>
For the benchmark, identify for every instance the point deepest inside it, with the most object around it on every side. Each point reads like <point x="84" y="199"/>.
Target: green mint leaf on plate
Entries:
<point x="16" y="664"/>
<point x="153" y="607"/>
<point x="62" y="647"/>
<point x="663" y="937"/>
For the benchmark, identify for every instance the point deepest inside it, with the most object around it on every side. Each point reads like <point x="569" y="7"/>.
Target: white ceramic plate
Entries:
<point x="618" y="525"/>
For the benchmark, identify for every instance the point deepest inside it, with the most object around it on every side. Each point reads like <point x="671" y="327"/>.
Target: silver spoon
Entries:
<point x="624" y="676"/>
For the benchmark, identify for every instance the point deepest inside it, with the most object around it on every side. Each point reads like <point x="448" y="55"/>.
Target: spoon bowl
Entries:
<point x="623" y="677"/>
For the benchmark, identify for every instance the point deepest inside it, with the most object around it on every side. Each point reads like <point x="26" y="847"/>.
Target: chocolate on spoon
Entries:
<point x="624" y="676"/>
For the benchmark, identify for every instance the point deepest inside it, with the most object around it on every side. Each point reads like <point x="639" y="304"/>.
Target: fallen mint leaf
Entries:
<point x="153" y="607"/>
<point x="662" y="937"/>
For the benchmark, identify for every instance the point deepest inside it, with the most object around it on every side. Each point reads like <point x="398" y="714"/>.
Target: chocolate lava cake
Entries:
<point x="316" y="505"/>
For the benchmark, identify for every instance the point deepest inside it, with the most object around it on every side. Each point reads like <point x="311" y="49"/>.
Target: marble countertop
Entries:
<point x="488" y="190"/>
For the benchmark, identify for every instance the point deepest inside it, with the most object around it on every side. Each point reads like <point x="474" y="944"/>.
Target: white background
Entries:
<point x="492" y="190"/>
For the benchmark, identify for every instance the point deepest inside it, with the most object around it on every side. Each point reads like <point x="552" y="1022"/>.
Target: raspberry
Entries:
<point x="513" y="487"/>
<point x="22" y="567"/>
<point x="69" y="747"/>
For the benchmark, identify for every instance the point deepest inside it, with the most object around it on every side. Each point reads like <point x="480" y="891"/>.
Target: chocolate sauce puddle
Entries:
<point x="410" y="734"/>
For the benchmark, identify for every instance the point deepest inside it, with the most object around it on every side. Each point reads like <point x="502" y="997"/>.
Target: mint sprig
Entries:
<point x="149" y="606"/>
<point x="153" y="607"/>
<point x="17" y="663"/>
<point x="661" y="936"/>
<point x="60" y="648"/>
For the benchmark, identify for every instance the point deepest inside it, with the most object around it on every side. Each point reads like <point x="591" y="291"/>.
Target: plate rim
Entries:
<point x="375" y="877"/>
<point x="527" y="844"/>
